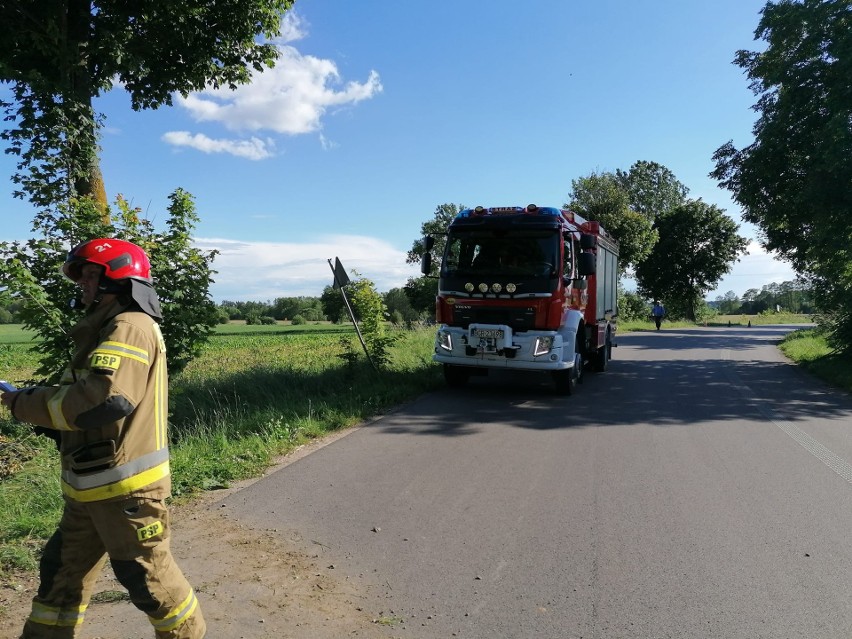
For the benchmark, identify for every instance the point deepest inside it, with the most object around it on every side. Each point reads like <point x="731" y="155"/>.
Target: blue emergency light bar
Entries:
<point x="532" y="209"/>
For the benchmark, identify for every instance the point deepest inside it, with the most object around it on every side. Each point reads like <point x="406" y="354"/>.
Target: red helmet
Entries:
<point x="121" y="260"/>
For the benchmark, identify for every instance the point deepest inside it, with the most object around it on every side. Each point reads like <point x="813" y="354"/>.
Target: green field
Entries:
<point x="15" y="334"/>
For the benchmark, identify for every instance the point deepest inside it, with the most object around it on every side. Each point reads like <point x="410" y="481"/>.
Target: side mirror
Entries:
<point x="426" y="263"/>
<point x="587" y="263"/>
<point x="428" y="242"/>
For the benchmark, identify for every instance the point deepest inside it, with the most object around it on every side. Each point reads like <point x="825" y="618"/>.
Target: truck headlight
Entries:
<point x="542" y="345"/>
<point x="445" y="340"/>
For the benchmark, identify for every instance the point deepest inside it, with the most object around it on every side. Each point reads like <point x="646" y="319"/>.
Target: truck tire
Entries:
<point x="604" y="354"/>
<point x="566" y="381"/>
<point x="456" y="376"/>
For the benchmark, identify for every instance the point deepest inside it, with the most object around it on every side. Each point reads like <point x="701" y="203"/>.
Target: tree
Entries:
<point x="652" y="189"/>
<point x="309" y="308"/>
<point x="794" y="181"/>
<point x="397" y="302"/>
<point x="601" y="197"/>
<point x="333" y="305"/>
<point x="750" y="295"/>
<point x="436" y="227"/>
<point x="372" y="314"/>
<point x="728" y="304"/>
<point x="182" y="276"/>
<point x="697" y="245"/>
<point x="59" y="55"/>
<point x="421" y="291"/>
<point x="631" y="305"/>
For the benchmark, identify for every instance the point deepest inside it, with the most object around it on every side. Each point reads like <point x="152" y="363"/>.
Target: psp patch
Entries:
<point x="149" y="531"/>
<point x="105" y="361"/>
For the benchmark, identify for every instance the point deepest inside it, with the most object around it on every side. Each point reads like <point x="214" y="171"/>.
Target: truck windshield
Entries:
<point x="521" y="253"/>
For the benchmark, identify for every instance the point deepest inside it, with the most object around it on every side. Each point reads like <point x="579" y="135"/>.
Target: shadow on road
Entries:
<point x="667" y="388"/>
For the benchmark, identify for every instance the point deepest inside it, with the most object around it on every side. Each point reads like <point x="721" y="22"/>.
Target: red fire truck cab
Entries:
<point x="526" y="288"/>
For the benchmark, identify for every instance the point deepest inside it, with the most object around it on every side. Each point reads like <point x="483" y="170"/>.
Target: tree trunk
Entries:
<point x="91" y="185"/>
<point x="86" y="172"/>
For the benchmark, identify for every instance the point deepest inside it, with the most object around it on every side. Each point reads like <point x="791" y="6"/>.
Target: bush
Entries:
<point x="632" y="306"/>
<point x="298" y="319"/>
<point x="182" y="275"/>
<point x="267" y="320"/>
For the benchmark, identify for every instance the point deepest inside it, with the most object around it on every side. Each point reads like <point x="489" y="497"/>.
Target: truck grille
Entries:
<point x="519" y="318"/>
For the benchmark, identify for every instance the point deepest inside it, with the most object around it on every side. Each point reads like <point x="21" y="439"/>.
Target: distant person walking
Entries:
<point x="658" y="312"/>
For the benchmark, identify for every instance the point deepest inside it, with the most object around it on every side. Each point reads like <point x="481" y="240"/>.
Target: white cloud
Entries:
<point x="326" y="143"/>
<point x="252" y="149"/>
<point x="266" y="270"/>
<point x="293" y="28"/>
<point x="291" y="98"/>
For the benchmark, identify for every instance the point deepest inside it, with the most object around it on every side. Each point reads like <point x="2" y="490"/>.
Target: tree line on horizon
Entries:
<point x="400" y="309"/>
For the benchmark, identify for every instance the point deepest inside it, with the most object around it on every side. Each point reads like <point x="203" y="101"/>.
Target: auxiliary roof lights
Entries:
<point x="530" y="209"/>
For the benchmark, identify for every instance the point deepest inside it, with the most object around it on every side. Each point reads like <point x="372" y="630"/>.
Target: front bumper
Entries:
<point x="497" y="346"/>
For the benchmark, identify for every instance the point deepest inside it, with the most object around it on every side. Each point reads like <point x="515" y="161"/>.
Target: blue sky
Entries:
<point x="381" y="110"/>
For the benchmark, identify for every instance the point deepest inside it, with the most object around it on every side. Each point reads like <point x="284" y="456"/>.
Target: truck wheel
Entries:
<point x="603" y="355"/>
<point x="566" y="381"/>
<point x="455" y="376"/>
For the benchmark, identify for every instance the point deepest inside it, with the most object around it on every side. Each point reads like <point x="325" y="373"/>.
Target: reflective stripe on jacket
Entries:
<point x="110" y="407"/>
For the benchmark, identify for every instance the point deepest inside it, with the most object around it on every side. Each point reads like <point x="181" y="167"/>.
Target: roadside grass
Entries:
<point x="808" y="348"/>
<point x="30" y="499"/>
<point x="760" y="320"/>
<point x="718" y="320"/>
<point x="254" y="393"/>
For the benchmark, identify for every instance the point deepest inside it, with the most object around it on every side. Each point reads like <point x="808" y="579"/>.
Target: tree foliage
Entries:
<point x="602" y="197"/>
<point x="287" y="308"/>
<point x="333" y="305"/>
<point x="58" y="55"/>
<point x="631" y="305"/>
<point x="791" y="297"/>
<point x="697" y="245"/>
<point x="370" y="312"/>
<point x="421" y="291"/>
<point x="436" y="227"/>
<point x="652" y="189"/>
<point x="29" y="273"/>
<point x="794" y="181"/>
<point x="399" y="306"/>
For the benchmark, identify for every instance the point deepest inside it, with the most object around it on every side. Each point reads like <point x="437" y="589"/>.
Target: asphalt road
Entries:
<point x="701" y="487"/>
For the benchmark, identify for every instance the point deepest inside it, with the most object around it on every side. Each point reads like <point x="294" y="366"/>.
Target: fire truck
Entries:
<point x="525" y="288"/>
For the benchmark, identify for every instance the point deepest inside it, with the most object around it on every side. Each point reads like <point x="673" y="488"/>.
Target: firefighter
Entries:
<point x="110" y="412"/>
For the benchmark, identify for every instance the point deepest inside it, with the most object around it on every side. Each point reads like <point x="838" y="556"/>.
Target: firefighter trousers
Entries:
<point x="134" y="533"/>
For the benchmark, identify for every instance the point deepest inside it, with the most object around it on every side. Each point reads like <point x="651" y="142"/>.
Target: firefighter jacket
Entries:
<point x="110" y="407"/>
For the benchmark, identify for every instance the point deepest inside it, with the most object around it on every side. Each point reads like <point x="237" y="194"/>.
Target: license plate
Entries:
<point x="488" y="333"/>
